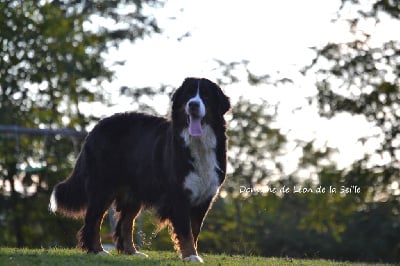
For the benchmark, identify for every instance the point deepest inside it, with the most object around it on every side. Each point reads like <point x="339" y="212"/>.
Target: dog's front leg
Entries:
<point x="183" y="237"/>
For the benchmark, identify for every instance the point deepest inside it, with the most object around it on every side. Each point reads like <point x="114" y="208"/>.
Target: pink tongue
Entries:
<point x="195" y="129"/>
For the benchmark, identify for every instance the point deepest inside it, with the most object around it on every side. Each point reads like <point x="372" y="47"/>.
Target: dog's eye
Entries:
<point x="204" y="96"/>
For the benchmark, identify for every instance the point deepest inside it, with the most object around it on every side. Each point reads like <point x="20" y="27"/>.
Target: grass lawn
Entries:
<point x="70" y="257"/>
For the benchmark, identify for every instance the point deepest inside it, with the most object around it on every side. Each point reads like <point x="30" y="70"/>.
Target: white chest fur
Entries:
<point x="203" y="181"/>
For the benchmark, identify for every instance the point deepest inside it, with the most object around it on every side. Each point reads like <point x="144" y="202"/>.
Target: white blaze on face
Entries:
<point x="195" y="128"/>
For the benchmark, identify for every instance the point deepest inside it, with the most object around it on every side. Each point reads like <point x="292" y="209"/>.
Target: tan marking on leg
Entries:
<point x="186" y="246"/>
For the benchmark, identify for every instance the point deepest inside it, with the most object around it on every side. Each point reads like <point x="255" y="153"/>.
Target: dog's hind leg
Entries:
<point x="123" y="236"/>
<point x="89" y="235"/>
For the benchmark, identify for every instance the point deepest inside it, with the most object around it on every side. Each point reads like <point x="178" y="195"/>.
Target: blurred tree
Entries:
<point x="50" y="62"/>
<point x="254" y="145"/>
<point x="362" y="77"/>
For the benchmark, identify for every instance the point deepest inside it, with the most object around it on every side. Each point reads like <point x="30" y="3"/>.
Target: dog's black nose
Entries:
<point x="194" y="105"/>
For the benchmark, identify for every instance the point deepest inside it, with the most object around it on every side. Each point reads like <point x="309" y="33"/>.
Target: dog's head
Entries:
<point x="198" y="102"/>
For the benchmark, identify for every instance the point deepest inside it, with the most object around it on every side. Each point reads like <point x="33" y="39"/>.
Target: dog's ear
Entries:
<point x="178" y="92"/>
<point x="223" y="101"/>
<point x="175" y="95"/>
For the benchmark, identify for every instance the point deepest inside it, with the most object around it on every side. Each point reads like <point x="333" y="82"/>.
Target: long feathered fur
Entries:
<point x="69" y="197"/>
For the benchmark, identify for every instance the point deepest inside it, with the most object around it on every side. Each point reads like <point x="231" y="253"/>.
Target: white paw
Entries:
<point x="193" y="258"/>
<point x="104" y="252"/>
<point x="140" y="254"/>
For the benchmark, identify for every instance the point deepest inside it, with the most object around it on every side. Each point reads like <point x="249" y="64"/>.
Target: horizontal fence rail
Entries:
<point x="39" y="131"/>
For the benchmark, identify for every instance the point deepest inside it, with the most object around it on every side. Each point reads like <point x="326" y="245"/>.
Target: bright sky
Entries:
<point x="274" y="36"/>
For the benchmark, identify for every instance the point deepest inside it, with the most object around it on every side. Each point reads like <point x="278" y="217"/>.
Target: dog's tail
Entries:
<point x="69" y="197"/>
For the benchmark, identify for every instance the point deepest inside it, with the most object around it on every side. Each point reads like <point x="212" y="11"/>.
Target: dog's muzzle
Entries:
<point x="195" y="111"/>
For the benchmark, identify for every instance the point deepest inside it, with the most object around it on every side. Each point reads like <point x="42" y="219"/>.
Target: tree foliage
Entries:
<point x="51" y="61"/>
<point x="254" y="145"/>
<point x="362" y="78"/>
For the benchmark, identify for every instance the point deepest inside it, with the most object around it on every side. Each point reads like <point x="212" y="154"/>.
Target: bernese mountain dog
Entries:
<point x="134" y="161"/>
